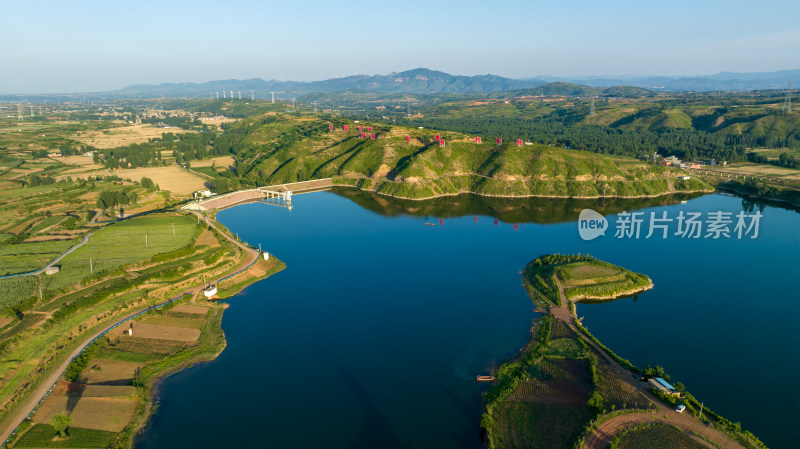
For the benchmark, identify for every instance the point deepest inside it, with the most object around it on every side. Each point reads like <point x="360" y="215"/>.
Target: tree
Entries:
<point x="595" y="402"/>
<point x="148" y="183"/>
<point x="61" y="423"/>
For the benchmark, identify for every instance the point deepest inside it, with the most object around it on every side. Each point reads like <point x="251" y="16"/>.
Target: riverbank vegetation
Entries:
<point x="565" y="384"/>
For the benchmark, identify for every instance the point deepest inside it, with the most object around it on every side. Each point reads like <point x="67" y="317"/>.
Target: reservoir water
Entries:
<point x="373" y="335"/>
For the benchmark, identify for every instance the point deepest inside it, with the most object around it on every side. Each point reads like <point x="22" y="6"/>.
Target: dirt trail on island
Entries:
<point x="607" y="430"/>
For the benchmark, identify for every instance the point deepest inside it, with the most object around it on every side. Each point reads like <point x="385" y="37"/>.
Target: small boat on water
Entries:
<point x="485" y="379"/>
<point x="429" y="224"/>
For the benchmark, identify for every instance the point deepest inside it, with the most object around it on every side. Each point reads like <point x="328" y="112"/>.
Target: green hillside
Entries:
<point x="279" y="148"/>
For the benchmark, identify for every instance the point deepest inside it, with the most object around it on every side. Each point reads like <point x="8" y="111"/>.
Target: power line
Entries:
<point x="787" y="103"/>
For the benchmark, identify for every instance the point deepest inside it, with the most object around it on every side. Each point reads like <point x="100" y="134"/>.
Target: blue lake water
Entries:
<point x="374" y="333"/>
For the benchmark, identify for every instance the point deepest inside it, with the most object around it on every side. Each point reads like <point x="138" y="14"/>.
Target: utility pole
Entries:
<point x="701" y="410"/>
<point x="91" y="267"/>
<point x="146" y="242"/>
<point x="787" y="103"/>
<point x="173" y="229"/>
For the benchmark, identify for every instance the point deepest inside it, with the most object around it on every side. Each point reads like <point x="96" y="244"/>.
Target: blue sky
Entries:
<point x="70" y="46"/>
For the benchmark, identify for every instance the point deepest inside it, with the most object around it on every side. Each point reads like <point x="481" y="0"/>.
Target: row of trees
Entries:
<point x="784" y="160"/>
<point x="184" y="147"/>
<point x="110" y="199"/>
<point x="684" y="143"/>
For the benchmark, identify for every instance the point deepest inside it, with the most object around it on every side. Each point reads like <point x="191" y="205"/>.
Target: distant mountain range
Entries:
<point x="417" y="81"/>
<point x="724" y="81"/>
<point x="425" y="81"/>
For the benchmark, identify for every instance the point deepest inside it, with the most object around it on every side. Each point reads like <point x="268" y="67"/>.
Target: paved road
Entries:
<point x="44" y="389"/>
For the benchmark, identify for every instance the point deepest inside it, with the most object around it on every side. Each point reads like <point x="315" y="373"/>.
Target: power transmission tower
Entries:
<point x="787" y="103"/>
<point x="19" y="111"/>
<point x="273" y="96"/>
<point x="591" y="111"/>
<point x="315" y="106"/>
<point x="252" y="95"/>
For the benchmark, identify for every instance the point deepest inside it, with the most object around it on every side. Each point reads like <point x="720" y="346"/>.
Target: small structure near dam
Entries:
<point x="280" y="194"/>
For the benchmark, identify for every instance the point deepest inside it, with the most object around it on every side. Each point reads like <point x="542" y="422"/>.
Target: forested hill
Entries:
<point x="410" y="163"/>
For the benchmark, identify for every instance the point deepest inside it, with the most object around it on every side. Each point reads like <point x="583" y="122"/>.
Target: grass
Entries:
<point x="296" y="150"/>
<point x="110" y="248"/>
<point x="547" y="395"/>
<point x="45" y="436"/>
<point x="531" y="425"/>
<point x="582" y="277"/>
<point x="24" y="257"/>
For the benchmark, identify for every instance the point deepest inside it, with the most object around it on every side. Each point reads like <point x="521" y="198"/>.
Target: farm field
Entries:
<point x="170" y="178"/>
<point x="564" y="386"/>
<point x="220" y="162"/>
<point x="41" y="436"/>
<point x="108" y="249"/>
<point x="657" y="436"/>
<point x="123" y="135"/>
<point x="109" y="395"/>
<point x="757" y="170"/>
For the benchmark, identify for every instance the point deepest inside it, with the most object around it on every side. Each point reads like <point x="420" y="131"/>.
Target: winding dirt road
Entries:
<point x="607" y="430"/>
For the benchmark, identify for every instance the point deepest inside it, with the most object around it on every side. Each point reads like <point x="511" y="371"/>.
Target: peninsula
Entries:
<point x="566" y="389"/>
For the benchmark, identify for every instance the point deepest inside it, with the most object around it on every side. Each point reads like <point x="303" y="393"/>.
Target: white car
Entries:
<point x="680" y="408"/>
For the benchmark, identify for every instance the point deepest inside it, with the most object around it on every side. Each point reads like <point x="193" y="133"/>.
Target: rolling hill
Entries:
<point x="281" y="148"/>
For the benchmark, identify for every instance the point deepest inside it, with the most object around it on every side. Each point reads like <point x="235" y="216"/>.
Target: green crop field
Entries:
<point x="24" y="257"/>
<point x="108" y="249"/>
<point x="45" y="436"/>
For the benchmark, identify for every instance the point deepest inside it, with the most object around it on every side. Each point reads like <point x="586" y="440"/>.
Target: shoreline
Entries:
<point x="710" y="426"/>
<point x="756" y="197"/>
<point x="585" y="298"/>
<point x="159" y="378"/>
<point x="563" y="197"/>
<point x="148" y="399"/>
